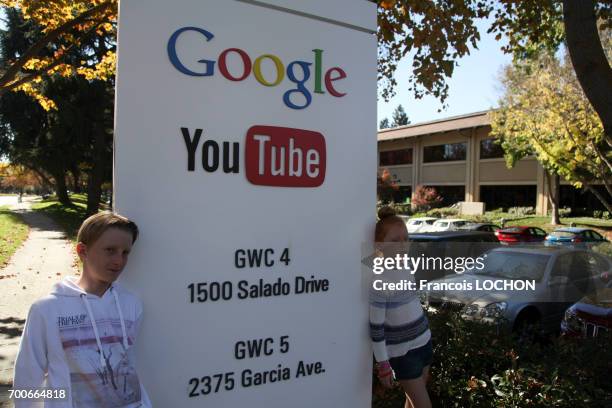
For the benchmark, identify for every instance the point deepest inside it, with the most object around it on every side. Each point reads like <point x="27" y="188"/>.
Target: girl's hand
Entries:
<point x="384" y="374"/>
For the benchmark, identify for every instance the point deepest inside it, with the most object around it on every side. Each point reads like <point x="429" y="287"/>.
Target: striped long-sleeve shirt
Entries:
<point x="397" y="323"/>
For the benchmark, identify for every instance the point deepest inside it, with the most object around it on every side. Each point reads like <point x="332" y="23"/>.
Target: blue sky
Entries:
<point x="473" y="87"/>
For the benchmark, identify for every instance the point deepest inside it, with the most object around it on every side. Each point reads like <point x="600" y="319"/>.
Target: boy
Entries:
<point x="80" y="338"/>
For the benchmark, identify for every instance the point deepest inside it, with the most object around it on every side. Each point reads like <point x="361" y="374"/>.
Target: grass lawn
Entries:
<point x="68" y="218"/>
<point x="13" y="231"/>
<point x="604" y="227"/>
<point x="544" y="222"/>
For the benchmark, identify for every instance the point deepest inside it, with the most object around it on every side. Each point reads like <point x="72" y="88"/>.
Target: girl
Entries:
<point x="399" y="329"/>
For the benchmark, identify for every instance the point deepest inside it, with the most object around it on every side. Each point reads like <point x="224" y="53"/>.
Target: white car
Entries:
<point x="420" y="224"/>
<point x="450" y="224"/>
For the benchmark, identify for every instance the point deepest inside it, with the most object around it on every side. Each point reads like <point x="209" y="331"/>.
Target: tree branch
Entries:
<point x="588" y="58"/>
<point x="39" y="45"/>
<point x="48" y="68"/>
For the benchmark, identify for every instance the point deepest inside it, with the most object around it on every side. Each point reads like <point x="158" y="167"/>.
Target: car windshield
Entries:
<point x="514" y="265"/>
<point x="430" y="222"/>
<point x="511" y="230"/>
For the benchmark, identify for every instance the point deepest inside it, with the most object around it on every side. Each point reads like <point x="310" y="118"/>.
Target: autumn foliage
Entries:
<point x="545" y="113"/>
<point x="19" y="179"/>
<point x="426" y="198"/>
<point x="66" y="26"/>
<point x="385" y="186"/>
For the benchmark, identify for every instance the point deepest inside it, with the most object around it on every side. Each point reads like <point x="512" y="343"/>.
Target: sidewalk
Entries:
<point x="44" y="259"/>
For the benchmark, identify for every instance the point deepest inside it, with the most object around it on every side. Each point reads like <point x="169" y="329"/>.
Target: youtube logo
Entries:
<point x="274" y="156"/>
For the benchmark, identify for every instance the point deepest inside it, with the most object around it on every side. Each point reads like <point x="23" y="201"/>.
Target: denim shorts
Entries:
<point x="410" y="365"/>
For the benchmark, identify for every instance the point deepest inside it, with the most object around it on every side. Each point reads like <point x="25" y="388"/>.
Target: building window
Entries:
<point x="445" y="152"/>
<point x="507" y="196"/>
<point x="396" y="157"/>
<point x="490" y="149"/>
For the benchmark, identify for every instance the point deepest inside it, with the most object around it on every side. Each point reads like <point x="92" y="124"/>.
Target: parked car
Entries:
<point x="513" y="235"/>
<point x="449" y="224"/>
<point x="560" y="276"/>
<point x="480" y="226"/>
<point x="419" y="223"/>
<point x="404" y="218"/>
<point x="451" y="244"/>
<point x="574" y="236"/>
<point x="589" y="317"/>
<point x="453" y="236"/>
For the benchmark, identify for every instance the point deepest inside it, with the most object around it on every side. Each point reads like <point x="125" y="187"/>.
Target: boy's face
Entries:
<point x="107" y="256"/>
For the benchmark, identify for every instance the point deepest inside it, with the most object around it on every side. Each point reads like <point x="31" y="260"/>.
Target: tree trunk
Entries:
<point x="96" y="176"/>
<point x="588" y="58"/>
<point x="61" y="189"/>
<point x="600" y="197"/>
<point x="76" y="179"/>
<point x="553" y="197"/>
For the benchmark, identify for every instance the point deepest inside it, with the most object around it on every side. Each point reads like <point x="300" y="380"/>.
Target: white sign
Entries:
<point x="245" y="149"/>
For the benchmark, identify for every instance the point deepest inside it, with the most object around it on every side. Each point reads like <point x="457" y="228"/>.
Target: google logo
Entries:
<point x="297" y="72"/>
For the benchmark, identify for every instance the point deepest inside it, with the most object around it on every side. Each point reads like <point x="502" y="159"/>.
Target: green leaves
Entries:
<point x="434" y="33"/>
<point x="545" y="113"/>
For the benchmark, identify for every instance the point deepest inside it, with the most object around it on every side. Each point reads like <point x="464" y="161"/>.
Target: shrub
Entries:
<point x="400" y="209"/>
<point x="443" y="212"/>
<point x="521" y="211"/>
<point x="604" y="215"/>
<point x="474" y="366"/>
<point x="426" y="198"/>
<point x="403" y="208"/>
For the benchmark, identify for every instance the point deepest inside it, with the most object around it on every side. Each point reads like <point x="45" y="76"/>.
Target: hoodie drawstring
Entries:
<point x="95" y="327"/>
<point x="123" y="331"/>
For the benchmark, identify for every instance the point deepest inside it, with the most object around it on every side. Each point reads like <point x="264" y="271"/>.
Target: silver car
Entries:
<point x="560" y="277"/>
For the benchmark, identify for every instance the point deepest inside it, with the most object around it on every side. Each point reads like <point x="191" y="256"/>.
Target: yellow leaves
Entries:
<point x="30" y="89"/>
<point x="103" y="70"/>
<point x="100" y="15"/>
<point x="545" y="111"/>
<point x="51" y="14"/>
<point x="42" y="65"/>
<point x="34" y="64"/>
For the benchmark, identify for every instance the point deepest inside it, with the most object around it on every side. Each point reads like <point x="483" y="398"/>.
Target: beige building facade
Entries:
<point x="459" y="158"/>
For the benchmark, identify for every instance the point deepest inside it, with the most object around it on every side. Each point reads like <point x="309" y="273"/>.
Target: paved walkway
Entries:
<point x="44" y="259"/>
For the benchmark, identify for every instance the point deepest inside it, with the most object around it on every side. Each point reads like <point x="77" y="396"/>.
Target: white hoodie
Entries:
<point x="84" y="344"/>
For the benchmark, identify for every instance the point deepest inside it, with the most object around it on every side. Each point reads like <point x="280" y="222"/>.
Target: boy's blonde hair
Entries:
<point x="94" y="226"/>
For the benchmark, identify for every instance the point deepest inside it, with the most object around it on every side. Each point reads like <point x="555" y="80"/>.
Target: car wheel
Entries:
<point x="528" y="327"/>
